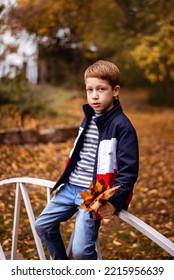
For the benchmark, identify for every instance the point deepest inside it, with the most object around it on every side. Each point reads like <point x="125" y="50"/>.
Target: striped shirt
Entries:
<point x="83" y="172"/>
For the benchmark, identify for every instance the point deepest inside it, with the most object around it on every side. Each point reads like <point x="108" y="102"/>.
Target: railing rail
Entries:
<point x="21" y="191"/>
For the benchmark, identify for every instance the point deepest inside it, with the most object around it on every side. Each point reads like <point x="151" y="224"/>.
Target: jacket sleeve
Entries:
<point x="127" y="165"/>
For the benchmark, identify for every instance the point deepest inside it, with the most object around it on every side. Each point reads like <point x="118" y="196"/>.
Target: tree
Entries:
<point x="153" y="46"/>
<point x="126" y="32"/>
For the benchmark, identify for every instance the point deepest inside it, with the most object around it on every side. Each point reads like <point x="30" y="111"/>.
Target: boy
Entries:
<point x="106" y="148"/>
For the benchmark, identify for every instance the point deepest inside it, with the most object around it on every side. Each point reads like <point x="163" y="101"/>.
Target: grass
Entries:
<point x="61" y="109"/>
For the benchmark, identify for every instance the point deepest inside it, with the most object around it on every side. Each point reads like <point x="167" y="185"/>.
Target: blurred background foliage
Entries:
<point x="18" y="100"/>
<point x="71" y="34"/>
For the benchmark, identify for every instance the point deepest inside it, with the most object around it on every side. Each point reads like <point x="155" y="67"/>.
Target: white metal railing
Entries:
<point x="21" y="191"/>
<point x="2" y="256"/>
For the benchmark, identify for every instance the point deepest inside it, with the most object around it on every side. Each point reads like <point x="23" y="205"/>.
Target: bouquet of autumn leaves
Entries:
<point x="97" y="195"/>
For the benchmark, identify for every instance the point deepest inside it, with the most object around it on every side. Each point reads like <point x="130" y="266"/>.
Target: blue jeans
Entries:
<point x="62" y="207"/>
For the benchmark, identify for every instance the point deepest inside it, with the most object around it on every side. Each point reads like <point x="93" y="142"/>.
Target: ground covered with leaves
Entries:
<point x="153" y="199"/>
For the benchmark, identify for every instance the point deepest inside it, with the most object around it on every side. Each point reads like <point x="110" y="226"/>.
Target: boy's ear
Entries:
<point x="116" y="92"/>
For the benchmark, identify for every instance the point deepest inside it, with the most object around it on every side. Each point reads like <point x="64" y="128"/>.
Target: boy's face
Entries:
<point x="100" y="94"/>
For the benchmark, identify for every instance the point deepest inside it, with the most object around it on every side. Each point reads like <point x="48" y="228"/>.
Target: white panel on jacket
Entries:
<point x="107" y="162"/>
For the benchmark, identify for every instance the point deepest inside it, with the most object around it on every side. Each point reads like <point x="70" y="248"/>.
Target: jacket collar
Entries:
<point x="101" y="120"/>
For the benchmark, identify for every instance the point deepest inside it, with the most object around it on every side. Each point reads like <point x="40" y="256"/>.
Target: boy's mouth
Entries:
<point x="96" y="104"/>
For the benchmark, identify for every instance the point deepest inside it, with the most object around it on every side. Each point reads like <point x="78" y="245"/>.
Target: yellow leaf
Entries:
<point x="28" y="250"/>
<point x="99" y="187"/>
<point x="117" y="243"/>
<point x="87" y="196"/>
<point x="97" y="193"/>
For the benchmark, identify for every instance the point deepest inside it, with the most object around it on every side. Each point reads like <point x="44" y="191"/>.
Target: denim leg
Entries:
<point x="85" y="235"/>
<point x="60" y="208"/>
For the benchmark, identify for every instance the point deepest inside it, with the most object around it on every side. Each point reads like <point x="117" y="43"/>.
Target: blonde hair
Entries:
<point x="104" y="70"/>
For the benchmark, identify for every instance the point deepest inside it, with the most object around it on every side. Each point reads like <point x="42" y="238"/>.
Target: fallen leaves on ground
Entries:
<point x="153" y="199"/>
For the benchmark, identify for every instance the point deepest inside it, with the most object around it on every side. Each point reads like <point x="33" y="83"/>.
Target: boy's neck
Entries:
<point x="98" y="114"/>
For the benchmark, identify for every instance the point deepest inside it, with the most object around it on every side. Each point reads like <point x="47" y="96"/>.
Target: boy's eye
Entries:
<point x="89" y="89"/>
<point x="101" y="89"/>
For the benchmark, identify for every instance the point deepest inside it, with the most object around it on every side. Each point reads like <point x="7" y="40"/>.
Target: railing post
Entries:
<point x="32" y="221"/>
<point x="16" y="222"/>
<point x="2" y="256"/>
<point x="98" y="250"/>
<point x="48" y="195"/>
<point x="69" y="248"/>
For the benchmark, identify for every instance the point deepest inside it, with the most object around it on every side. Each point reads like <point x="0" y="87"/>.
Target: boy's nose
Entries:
<point x="94" y="94"/>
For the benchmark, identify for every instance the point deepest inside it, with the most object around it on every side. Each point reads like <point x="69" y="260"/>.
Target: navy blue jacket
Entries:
<point x="117" y="158"/>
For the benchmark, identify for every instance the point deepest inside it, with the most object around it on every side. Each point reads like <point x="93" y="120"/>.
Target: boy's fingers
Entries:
<point x="106" y="210"/>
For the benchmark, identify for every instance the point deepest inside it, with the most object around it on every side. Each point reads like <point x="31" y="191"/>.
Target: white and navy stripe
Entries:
<point x="82" y="175"/>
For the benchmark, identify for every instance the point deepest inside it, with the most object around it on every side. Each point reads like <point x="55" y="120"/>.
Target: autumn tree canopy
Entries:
<point x="137" y="35"/>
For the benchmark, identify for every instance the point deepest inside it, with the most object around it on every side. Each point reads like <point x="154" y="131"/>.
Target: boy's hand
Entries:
<point x="106" y="210"/>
